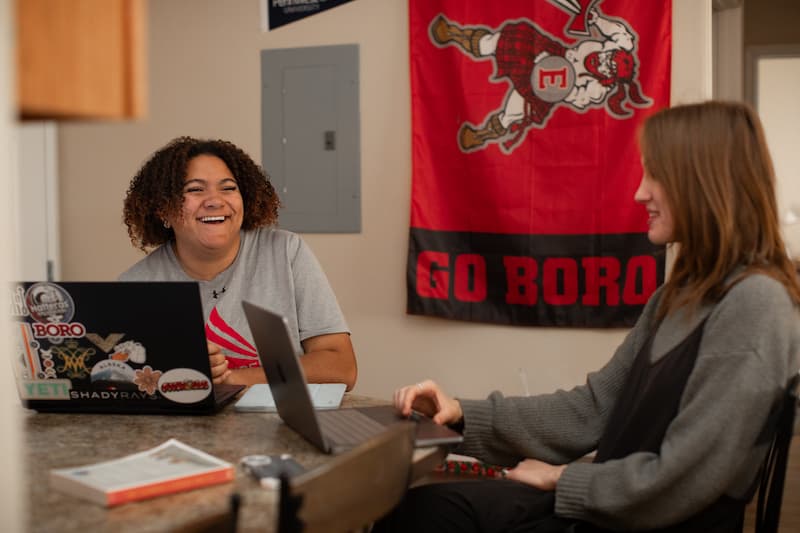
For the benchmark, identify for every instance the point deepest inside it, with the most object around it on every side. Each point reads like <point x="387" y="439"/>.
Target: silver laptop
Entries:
<point x="331" y="430"/>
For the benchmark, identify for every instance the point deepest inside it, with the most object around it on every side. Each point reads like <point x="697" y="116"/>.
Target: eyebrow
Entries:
<point x="204" y="182"/>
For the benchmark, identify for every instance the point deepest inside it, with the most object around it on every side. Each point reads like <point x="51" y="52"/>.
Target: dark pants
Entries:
<point x="489" y="505"/>
<point x="479" y="506"/>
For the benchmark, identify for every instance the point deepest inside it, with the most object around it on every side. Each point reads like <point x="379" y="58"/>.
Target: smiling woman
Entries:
<point x="209" y="221"/>
<point x="680" y="416"/>
<point x="207" y="211"/>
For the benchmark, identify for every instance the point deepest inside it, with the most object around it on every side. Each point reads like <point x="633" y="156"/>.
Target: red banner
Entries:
<point x="525" y="161"/>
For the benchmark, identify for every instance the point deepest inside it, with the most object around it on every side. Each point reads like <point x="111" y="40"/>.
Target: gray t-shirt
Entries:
<point x="274" y="269"/>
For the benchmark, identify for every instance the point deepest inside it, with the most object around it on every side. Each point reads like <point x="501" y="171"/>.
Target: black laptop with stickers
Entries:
<point x="113" y="347"/>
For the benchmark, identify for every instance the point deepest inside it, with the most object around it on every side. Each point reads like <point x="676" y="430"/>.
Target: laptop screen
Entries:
<point x="290" y="391"/>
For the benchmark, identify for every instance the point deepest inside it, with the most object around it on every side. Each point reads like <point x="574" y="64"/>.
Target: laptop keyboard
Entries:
<point x="348" y="427"/>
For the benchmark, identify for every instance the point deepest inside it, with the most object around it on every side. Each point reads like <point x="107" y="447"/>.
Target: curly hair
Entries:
<point x="156" y="191"/>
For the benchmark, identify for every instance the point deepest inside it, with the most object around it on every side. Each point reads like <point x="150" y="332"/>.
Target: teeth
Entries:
<point x="212" y="219"/>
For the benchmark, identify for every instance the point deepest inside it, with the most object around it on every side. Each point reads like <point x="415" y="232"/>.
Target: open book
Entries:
<point x="170" y="467"/>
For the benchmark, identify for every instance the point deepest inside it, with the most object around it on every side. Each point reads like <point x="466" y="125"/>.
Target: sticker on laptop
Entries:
<point x="52" y="308"/>
<point x="110" y="372"/>
<point x="48" y="389"/>
<point x="184" y="385"/>
<point x="129" y="351"/>
<point x="147" y="379"/>
<point x="49" y="303"/>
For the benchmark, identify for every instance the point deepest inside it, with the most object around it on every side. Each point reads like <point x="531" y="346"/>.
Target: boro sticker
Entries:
<point x="59" y="330"/>
<point x="184" y="385"/>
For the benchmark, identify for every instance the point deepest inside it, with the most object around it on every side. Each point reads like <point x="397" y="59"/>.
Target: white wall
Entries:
<point x="692" y="47"/>
<point x="204" y="81"/>
<point x="777" y="103"/>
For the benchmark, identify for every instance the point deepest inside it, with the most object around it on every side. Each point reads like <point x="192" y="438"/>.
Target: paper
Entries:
<point x="258" y="398"/>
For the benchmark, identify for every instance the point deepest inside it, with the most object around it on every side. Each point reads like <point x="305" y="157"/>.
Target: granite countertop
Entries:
<point x="65" y="440"/>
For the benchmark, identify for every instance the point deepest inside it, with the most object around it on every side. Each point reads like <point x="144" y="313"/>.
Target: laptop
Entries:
<point x="331" y="430"/>
<point x="113" y="347"/>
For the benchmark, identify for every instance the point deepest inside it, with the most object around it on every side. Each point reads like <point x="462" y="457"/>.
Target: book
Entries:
<point x="463" y="465"/>
<point x="258" y="398"/>
<point x="169" y="467"/>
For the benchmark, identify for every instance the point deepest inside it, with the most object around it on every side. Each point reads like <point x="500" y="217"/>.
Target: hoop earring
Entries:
<point x="166" y="224"/>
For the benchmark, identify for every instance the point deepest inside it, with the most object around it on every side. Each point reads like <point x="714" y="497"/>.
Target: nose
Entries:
<point x="642" y="194"/>
<point x="212" y="200"/>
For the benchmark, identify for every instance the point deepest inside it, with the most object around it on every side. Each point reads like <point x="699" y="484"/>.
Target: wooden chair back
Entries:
<point x="353" y="489"/>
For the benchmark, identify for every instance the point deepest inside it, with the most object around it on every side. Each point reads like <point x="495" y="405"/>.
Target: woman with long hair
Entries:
<point x="677" y="419"/>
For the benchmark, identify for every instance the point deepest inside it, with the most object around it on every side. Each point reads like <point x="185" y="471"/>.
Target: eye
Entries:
<point x="193" y="189"/>
<point x="230" y="188"/>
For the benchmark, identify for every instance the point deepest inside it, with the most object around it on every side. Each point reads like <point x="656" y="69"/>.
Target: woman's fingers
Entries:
<point x="218" y="363"/>
<point x="428" y="398"/>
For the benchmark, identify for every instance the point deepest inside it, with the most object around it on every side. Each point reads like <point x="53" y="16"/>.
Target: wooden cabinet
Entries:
<point x="81" y="59"/>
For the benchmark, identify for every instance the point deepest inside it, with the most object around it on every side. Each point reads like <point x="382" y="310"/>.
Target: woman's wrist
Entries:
<point x="246" y="376"/>
<point x="458" y="425"/>
<point x="557" y="471"/>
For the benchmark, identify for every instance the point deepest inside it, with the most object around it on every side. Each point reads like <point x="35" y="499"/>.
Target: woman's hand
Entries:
<point x="427" y="398"/>
<point x="539" y="474"/>
<point x="219" y="364"/>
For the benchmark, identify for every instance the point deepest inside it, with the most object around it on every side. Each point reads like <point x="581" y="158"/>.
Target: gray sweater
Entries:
<point x="748" y="352"/>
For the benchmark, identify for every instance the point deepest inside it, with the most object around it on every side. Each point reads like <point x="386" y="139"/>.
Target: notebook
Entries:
<point x="332" y="430"/>
<point x="258" y="398"/>
<point x="113" y="347"/>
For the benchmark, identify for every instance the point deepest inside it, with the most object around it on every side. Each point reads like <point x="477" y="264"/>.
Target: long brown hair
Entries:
<point x="713" y="162"/>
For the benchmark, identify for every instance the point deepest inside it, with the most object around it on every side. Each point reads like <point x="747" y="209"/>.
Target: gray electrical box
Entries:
<point x="310" y="136"/>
